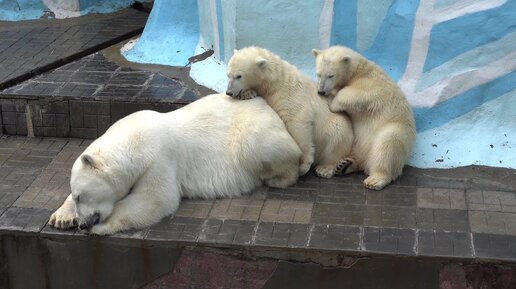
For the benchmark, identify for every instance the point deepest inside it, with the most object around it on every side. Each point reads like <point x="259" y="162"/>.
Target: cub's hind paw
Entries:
<point x="376" y="182"/>
<point x="345" y="166"/>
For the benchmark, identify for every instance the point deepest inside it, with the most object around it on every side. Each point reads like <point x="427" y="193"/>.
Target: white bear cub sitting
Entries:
<point x="325" y="138"/>
<point x="382" y="118"/>
<point x="138" y="171"/>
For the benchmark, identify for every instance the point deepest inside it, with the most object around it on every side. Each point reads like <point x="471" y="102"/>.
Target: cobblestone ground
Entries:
<point x="422" y="213"/>
<point x="29" y="47"/>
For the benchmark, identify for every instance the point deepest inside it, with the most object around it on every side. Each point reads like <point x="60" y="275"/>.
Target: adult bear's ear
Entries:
<point x="89" y="160"/>
<point x="316" y="52"/>
<point x="235" y="51"/>
<point x="261" y="62"/>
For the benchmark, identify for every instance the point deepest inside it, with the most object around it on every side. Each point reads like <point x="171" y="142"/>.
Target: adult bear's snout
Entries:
<point x="229" y="93"/>
<point x="90" y="222"/>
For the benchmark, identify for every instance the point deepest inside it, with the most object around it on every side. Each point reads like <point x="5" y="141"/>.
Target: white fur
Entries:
<point x="382" y="119"/>
<point x="214" y="147"/>
<point x="325" y="138"/>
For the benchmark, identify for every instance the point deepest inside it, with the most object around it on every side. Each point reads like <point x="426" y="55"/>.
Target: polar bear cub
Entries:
<point x="325" y="138"/>
<point x="382" y="118"/>
<point x="138" y="171"/>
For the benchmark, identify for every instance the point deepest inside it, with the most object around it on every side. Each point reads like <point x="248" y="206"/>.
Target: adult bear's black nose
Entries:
<point x="320" y="92"/>
<point x="90" y="222"/>
<point x="229" y="93"/>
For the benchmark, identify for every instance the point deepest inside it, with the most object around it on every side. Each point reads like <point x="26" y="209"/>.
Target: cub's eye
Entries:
<point x="238" y="76"/>
<point x="76" y="198"/>
<point x="331" y="76"/>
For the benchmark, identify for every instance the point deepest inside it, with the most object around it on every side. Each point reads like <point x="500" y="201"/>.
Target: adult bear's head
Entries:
<point x="93" y="191"/>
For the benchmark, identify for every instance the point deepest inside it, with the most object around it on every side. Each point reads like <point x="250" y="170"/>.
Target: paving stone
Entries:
<point x="116" y="92"/>
<point x="176" y="229"/>
<point x="393" y="196"/>
<point x="237" y="209"/>
<point x="388" y="240"/>
<point x="492" y="222"/>
<point x="130" y="78"/>
<point x="286" y="211"/>
<point x="282" y="235"/>
<point x="495" y="246"/>
<point x="495" y="201"/>
<point x="336" y="237"/>
<point x="352" y="194"/>
<point x="194" y="208"/>
<point x="441" y="198"/>
<point x="294" y="194"/>
<point x="335" y="213"/>
<point x="441" y="243"/>
<point x="443" y="219"/>
<point x="441" y="182"/>
<point x="24" y="219"/>
<point x="233" y="232"/>
<point x="390" y="217"/>
<point x="41" y="48"/>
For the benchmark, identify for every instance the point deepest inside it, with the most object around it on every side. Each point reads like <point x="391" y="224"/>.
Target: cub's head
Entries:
<point x="246" y="70"/>
<point x="94" y="195"/>
<point x="334" y="67"/>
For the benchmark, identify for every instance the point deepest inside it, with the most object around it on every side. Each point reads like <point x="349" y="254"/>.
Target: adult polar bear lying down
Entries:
<point x="138" y="171"/>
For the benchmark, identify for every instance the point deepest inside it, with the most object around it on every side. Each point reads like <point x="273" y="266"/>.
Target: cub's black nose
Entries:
<point x="229" y="93"/>
<point x="320" y="92"/>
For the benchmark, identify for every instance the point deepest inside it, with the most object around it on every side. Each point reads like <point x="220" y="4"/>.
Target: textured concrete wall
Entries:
<point x="454" y="59"/>
<point x="38" y="261"/>
<point x="15" y="10"/>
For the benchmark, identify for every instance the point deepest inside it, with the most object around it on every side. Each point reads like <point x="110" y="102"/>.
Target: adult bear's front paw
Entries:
<point x="64" y="218"/>
<point x="102" y="229"/>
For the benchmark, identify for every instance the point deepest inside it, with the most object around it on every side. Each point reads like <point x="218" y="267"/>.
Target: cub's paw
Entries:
<point x="247" y="94"/>
<point x="324" y="171"/>
<point x="63" y="218"/>
<point x="334" y="106"/>
<point x="277" y="183"/>
<point x="376" y="182"/>
<point x="304" y="168"/>
<point x="346" y="166"/>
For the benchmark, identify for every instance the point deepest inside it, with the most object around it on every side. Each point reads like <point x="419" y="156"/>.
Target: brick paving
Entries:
<point x="409" y="217"/>
<point x="83" y="98"/>
<point x="29" y="47"/>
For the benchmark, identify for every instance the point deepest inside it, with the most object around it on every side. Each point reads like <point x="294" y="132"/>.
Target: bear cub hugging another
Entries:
<point x="382" y="119"/>
<point x="325" y="138"/>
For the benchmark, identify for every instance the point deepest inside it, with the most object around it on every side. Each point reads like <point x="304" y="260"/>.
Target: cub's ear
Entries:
<point x="89" y="160"/>
<point x="346" y="59"/>
<point x="261" y="62"/>
<point x="316" y="52"/>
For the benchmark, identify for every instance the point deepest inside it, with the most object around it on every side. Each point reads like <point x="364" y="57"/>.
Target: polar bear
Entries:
<point x="325" y="138"/>
<point x="382" y="118"/>
<point x="138" y="171"/>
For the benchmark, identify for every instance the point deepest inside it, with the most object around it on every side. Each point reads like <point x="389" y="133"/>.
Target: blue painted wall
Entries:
<point x="16" y="10"/>
<point x="454" y="59"/>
